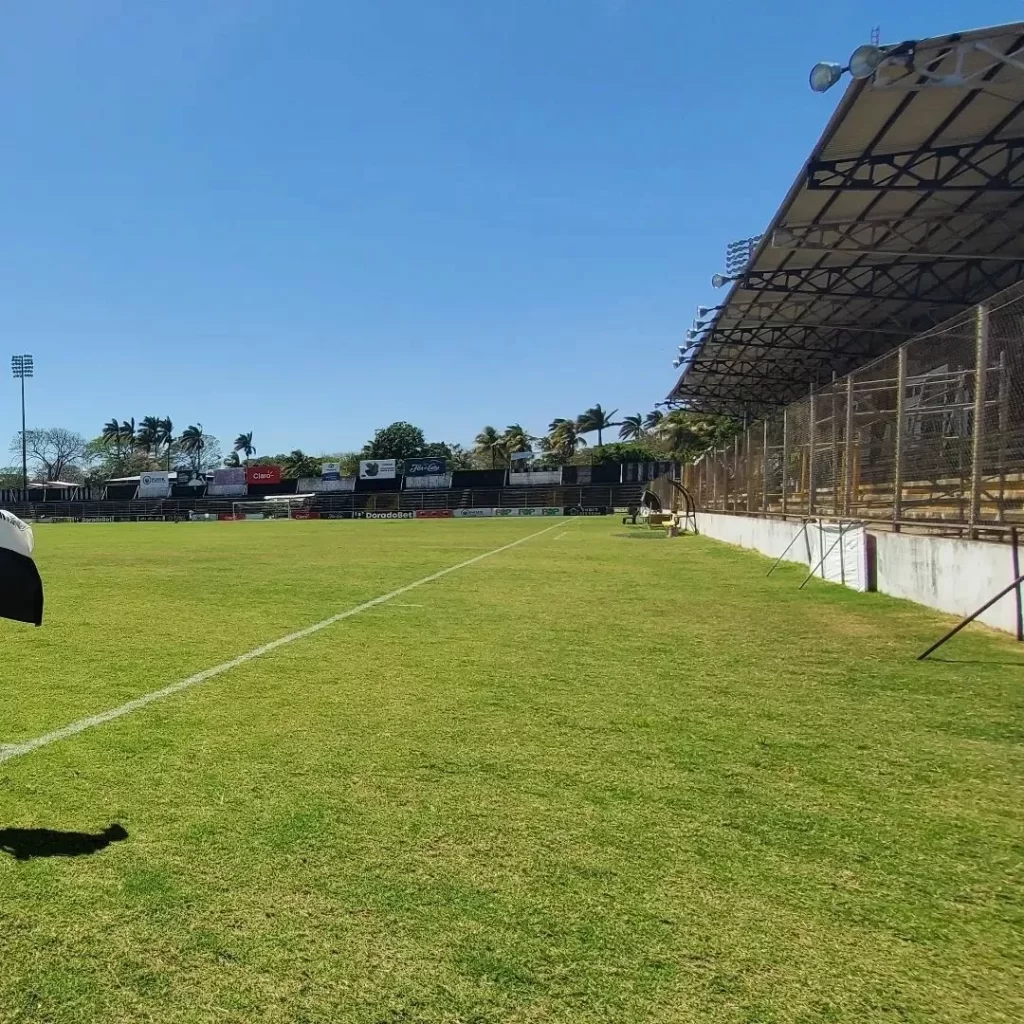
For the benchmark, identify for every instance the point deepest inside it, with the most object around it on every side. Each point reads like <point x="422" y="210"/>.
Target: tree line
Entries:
<point x="125" y="448"/>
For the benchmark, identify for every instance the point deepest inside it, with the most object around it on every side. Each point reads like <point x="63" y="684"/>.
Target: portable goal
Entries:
<point x="278" y="506"/>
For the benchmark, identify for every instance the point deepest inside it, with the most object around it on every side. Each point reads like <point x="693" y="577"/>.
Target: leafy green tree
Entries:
<point x="653" y="418"/>
<point x="232" y="461"/>
<point x="617" y="451"/>
<point x="685" y="435"/>
<point x="400" y="440"/>
<point x="297" y="463"/>
<point x="596" y="419"/>
<point x="490" y="445"/>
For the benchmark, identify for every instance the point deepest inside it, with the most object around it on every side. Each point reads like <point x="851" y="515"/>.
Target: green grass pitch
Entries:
<point x="601" y="777"/>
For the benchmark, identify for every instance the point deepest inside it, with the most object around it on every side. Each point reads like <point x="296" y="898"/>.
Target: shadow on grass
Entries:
<point x="27" y="843"/>
<point x="646" y="535"/>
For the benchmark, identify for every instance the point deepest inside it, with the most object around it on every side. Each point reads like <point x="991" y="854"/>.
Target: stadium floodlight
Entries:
<point x="691" y="334"/>
<point x="677" y="362"/>
<point x="22" y="367"/>
<point x="702" y="311"/>
<point x="720" y="280"/>
<point x="825" y="74"/>
<point x="865" y="60"/>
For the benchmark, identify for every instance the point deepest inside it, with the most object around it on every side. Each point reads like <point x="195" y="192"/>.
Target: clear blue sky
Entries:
<point x="308" y="218"/>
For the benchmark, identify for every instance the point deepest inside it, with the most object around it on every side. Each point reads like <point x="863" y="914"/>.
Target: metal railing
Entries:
<point x="930" y="433"/>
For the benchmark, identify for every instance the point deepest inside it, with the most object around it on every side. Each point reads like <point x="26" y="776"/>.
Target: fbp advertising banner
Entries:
<point x="154" y="485"/>
<point x="378" y="469"/>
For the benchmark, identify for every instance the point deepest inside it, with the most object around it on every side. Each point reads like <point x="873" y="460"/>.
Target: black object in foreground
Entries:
<point x="26" y="843"/>
<point x="21" y="589"/>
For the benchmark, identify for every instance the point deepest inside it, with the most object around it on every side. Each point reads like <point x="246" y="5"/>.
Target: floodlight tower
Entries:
<point x="22" y="367"/>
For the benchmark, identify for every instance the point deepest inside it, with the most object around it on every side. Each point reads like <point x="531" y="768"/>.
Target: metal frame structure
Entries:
<point x="908" y="211"/>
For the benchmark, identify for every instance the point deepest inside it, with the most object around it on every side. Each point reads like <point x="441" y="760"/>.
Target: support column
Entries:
<point x="785" y="456"/>
<point x="978" y="432"/>
<point x="897" y="481"/>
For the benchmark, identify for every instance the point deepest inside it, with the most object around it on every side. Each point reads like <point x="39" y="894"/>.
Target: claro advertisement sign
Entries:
<point x="263" y="474"/>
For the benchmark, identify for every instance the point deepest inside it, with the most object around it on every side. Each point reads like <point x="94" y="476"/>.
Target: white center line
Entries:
<point x="10" y="751"/>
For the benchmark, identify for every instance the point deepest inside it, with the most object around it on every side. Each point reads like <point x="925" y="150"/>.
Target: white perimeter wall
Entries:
<point x="834" y="557"/>
<point x="955" y="576"/>
<point x="952" y="575"/>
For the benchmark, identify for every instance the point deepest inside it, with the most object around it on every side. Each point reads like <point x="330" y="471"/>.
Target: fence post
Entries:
<point x="811" y="482"/>
<point x="764" y="469"/>
<point x="749" y="467"/>
<point x="897" y="482"/>
<point x="725" y="479"/>
<point x="848" y="461"/>
<point x="1003" y="427"/>
<point x="835" y="447"/>
<point x="978" y="432"/>
<point x="736" y="472"/>
<point x="785" y="454"/>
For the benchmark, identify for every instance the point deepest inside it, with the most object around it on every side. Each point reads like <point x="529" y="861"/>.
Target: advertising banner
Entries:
<point x="434" y="513"/>
<point x="383" y="515"/>
<point x="323" y="484"/>
<point x="378" y="469"/>
<point x="330" y="471"/>
<point x="230" y="517"/>
<point x="428" y="483"/>
<point x="228" y="483"/>
<point x="344" y="513"/>
<point x="305" y="513"/>
<point x="522" y="456"/>
<point x="586" y="510"/>
<point x="473" y="513"/>
<point x="426" y="467"/>
<point x="536" y="478"/>
<point x="531" y="511"/>
<point x="190" y="478"/>
<point x="154" y="485"/>
<point x="202" y="517"/>
<point x="263" y="474"/>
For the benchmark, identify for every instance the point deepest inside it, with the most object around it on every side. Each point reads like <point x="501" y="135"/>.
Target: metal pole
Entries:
<point x="978" y="439"/>
<point x="1003" y="427"/>
<point x="802" y="532"/>
<point x="1015" y="555"/>
<point x="811" y="482"/>
<point x="970" y="618"/>
<point x="823" y="557"/>
<point x="736" y="472"/>
<point x="764" y="469"/>
<point x="897" y="482"/>
<point x="748" y="465"/>
<point x="785" y="455"/>
<point x="848" y="461"/>
<point x="835" y="447"/>
<point x="24" y="440"/>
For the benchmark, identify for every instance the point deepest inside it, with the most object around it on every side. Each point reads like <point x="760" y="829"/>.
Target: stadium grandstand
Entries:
<point x="170" y="496"/>
<point x="870" y="339"/>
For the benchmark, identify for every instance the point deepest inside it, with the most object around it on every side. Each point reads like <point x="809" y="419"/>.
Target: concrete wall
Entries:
<point x="846" y="561"/>
<point x="951" y="575"/>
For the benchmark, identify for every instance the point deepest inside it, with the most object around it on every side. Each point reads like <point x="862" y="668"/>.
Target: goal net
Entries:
<point x="283" y="506"/>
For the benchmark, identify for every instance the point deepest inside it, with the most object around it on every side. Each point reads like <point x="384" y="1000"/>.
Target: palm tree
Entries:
<point x="233" y="461"/>
<point x="165" y="437"/>
<point x="148" y="434"/>
<point x="632" y="428"/>
<point x="243" y="443"/>
<point x="565" y="439"/>
<point x="192" y="444"/>
<point x="112" y="435"/>
<point x="596" y="418"/>
<point x="653" y="418"/>
<point x="297" y="463"/>
<point x="129" y="438"/>
<point x="515" y="439"/>
<point x="489" y="441"/>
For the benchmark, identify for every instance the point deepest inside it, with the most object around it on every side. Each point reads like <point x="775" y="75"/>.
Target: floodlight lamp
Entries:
<point x="702" y="311"/>
<point x="677" y="362"/>
<point x="824" y="75"/>
<point x="865" y="60"/>
<point x="720" y="280"/>
<point x="691" y="334"/>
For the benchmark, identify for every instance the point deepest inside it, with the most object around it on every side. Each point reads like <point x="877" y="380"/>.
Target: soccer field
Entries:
<point x="597" y="775"/>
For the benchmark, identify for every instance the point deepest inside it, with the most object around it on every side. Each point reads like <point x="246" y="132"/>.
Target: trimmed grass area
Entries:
<point x="602" y="776"/>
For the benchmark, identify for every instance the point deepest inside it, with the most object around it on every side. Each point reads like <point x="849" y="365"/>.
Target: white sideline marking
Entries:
<point x="10" y="751"/>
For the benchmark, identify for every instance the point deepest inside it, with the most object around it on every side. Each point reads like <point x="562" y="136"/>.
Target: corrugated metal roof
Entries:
<point x="867" y="252"/>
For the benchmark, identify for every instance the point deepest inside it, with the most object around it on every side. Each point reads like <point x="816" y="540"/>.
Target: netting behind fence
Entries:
<point x="931" y="432"/>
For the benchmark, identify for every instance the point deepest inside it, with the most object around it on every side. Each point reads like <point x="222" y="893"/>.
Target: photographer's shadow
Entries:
<point x="27" y="843"/>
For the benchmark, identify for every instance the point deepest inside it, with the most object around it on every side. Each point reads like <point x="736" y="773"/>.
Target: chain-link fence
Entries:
<point x="932" y="432"/>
